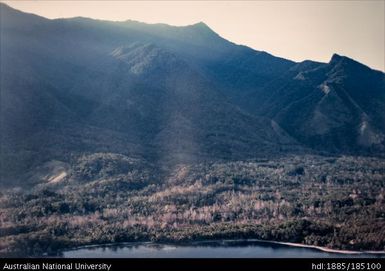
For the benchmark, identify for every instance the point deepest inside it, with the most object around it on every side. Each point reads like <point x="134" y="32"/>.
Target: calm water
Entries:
<point x="218" y="249"/>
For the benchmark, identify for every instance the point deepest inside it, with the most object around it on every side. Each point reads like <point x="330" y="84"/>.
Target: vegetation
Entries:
<point x="122" y="131"/>
<point x="337" y="202"/>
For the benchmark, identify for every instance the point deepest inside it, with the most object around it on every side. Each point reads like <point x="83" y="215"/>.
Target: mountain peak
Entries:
<point x="338" y="58"/>
<point x="344" y="61"/>
<point x="335" y="58"/>
<point x="201" y="27"/>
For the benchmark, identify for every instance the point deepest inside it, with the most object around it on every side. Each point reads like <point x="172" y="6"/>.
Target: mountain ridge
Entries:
<point x="197" y="25"/>
<point x="183" y="94"/>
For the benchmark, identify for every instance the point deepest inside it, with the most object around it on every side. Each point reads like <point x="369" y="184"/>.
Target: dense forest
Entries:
<point x="336" y="202"/>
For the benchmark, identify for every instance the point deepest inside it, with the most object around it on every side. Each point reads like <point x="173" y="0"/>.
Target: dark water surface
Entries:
<point x="212" y="249"/>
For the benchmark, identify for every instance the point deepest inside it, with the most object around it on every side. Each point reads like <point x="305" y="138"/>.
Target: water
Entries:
<point x="213" y="249"/>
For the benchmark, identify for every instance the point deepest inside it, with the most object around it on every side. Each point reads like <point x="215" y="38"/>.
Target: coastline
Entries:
<point x="326" y="249"/>
<point x="195" y="243"/>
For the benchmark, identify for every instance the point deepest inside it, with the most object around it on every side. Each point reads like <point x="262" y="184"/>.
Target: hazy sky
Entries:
<point x="296" y="30"/>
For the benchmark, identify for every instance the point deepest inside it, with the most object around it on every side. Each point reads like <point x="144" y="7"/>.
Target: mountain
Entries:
<point x="78" y="86"/>
<point x="119" y="132"/>
<point x="337" y="106"/>
<point x="171" y="95"/>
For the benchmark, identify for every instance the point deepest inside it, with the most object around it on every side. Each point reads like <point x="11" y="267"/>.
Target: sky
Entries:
<point x="296" y="30"/>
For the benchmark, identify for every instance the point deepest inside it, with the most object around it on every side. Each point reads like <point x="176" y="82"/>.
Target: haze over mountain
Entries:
<point x="126" y="132"/>
<point x="171" y="95"/>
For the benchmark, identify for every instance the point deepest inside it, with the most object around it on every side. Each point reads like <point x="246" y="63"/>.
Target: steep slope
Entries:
<point x="237" y="70"/>
<point x="171" y="94"/>
<point x="349" y="119"/>
<point x="337" y="106"/>
<point x="78" y="86"/>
